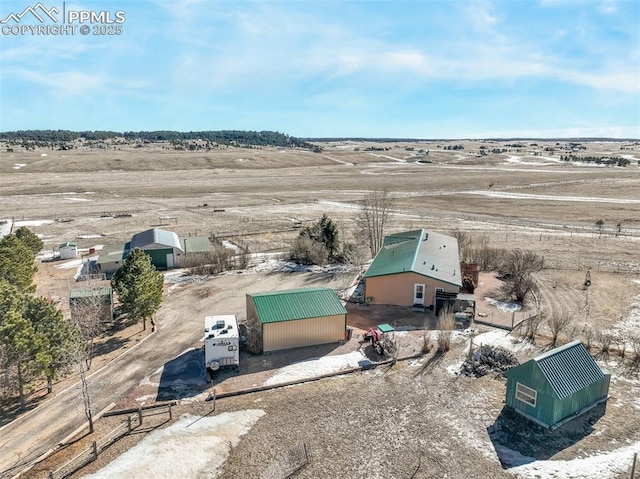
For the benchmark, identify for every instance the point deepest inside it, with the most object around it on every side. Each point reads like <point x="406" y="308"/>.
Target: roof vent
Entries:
<point x="426" y="236"/>
<point x="424" y="262"/>
<point x="433" y="266"/>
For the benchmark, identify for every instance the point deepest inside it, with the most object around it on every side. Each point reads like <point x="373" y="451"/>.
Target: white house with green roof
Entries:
<point x="295" y="318"/>
<point x="411" y="267"/>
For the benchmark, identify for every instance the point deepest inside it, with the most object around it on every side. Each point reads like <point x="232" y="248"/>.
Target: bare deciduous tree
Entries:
<point x="605" y="338"/>
<point x="517" y="269"/>
<point x="464" y="244"/>
<point x="374" y="218"/>
<point x="558" y="323"/>
<point x="89" y="311"/>
<point x="532" y="325"/>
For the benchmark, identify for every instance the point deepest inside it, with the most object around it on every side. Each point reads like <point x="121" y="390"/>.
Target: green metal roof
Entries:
<point x="88" y="293"/>
<point x="304" y="303"/>
<point x="385" y="328"/>
<point x="426" y="253"/>
<point x="62" y="245"/>
<point x="569" y="368"/>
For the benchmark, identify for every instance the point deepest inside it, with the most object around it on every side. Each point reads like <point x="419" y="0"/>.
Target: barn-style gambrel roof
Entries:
<point x="155" y="238"/>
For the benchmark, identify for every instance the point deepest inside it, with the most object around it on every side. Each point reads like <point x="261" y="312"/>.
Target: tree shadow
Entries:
<point x="519" y="441"/>
<point x="430" y="363"/>
<point x="182" y="377"/>
<point x="108" y="346"/>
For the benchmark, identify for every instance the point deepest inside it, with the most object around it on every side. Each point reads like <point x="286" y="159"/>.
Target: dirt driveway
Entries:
<point x="180" y="326"/>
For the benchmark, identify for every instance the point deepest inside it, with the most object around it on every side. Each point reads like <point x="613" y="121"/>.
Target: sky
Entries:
<point x="327" y="68"/>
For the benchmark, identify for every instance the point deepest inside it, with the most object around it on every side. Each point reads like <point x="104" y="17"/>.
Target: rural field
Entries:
<point x="416" y="418"/>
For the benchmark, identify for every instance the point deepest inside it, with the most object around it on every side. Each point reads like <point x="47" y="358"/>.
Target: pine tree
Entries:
<point x="139" y="286"/>
<point x="55" y="333"/>
<point x="23" y="348"/>
<point x="17" y="263"/>
<point x="30" y="239"/>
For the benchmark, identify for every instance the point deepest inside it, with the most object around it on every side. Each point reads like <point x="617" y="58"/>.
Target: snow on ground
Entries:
<point x="318" y="366"/>
<point x="230" y="245"/>
<point x="88" y="236"/>
<point x="509" y="307"/>
<point x="70" y="264"/>
<point x="387" y="157"/>
<point x="498" y="337"/>
<point x="28" y="223"/>
<point x="19" y="165"/>
<point x="529" y="196"/>
<point x="192" y="447"/>
<point x="523" y="161"/>
<point x="78" y="199"/>
<point x="602" y="466"/>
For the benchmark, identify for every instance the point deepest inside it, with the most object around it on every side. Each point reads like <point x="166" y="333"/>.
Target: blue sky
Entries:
<point x="420" y="69"/>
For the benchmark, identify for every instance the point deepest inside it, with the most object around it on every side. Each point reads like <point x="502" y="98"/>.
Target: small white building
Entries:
<point x="221" y="341"/>
<point x="68" y="250"/>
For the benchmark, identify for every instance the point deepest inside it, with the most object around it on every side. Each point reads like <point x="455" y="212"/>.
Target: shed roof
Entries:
<point x="429" y="254"/>
<point x="569" y="368"/>
<point x="113" y="252"/>
<point x="68" y="244"/>
<point x="155" y="236"/>
<point x="303" y="303"/>
<point x="91" y="292"/>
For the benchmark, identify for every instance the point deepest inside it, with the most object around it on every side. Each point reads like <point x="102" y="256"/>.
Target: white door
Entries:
<point x="170" y="260"/>
<point x="418" y="294"/>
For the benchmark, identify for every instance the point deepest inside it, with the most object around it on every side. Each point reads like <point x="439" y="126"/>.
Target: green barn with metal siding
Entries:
<point x="557" y="385"/>
<point x="162" y="246"/>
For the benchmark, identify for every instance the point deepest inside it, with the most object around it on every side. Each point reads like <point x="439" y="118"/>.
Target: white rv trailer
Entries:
<point x="221" y="341"/>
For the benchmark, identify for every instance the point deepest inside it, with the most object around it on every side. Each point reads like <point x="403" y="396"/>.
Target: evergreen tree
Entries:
<point x="30" y="239"/>
<point x="55" y="333"/>
<point x="23" y="348"/>
<point x="139" y="286"/>
<point x="17" y="263"/>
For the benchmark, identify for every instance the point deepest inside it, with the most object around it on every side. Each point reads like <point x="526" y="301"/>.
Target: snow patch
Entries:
<point x="77" y="199"/>
<point x="192" y="447"/>
<point x="318" y="366"/>
<point x="17" y="166"/>
<point x="500" y="338"/>
<point x="88" y="236"/>
<point x="27" y="223"/>
<point x="509" y="307"/>
<point x="602" y="466"/>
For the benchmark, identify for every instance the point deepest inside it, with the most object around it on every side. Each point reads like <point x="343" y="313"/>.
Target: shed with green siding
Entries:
<point x="557" y="385"/>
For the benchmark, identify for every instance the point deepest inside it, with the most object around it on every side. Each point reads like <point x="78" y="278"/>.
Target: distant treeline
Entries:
<point x="598" y="160"/>
<point x="227" y="137"/>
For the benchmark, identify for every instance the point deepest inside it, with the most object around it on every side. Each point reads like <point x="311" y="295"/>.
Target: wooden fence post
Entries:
<point x="94" y="446"/>
<point x="140" y="415"/>
<point x="129" y="424"/>
<point x="633" y="466"/>
<point x="170" y="415"/>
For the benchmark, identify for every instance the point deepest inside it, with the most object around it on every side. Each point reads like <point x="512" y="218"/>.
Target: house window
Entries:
<point x="526" y="394"/>
<point x="419" y="291"/>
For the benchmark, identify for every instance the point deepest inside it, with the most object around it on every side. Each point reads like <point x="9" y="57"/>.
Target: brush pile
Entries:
<point x="489" y="360"/>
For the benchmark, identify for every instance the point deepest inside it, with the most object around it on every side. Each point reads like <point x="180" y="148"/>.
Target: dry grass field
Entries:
<point x="523" y="198"/>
